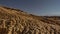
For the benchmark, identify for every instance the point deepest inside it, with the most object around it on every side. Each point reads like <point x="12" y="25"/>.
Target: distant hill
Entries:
<point x="15" y="21"/>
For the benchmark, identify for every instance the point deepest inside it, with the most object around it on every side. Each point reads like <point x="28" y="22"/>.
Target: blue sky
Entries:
<point x="37" y="7"/>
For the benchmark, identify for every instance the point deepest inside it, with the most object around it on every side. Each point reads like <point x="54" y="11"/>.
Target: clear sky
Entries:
<point x="38" y="7"/>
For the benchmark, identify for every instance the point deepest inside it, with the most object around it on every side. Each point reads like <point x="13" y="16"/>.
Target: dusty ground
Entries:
<point x="15" y="21"/>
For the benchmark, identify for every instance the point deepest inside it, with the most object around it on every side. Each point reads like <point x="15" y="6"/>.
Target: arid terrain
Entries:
<point x="15" y="21"/>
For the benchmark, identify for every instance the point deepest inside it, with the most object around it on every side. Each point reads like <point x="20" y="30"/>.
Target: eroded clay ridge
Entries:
<point x="14" y="21"/>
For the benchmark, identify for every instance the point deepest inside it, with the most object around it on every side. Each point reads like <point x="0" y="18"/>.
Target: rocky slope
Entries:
<point x="15" y="21"/>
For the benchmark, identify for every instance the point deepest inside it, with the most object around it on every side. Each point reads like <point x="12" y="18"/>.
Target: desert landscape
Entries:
<point x="15" y="21"/>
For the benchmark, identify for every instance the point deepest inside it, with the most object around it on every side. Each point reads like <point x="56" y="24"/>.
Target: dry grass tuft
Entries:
<point x="15" y="21"/>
